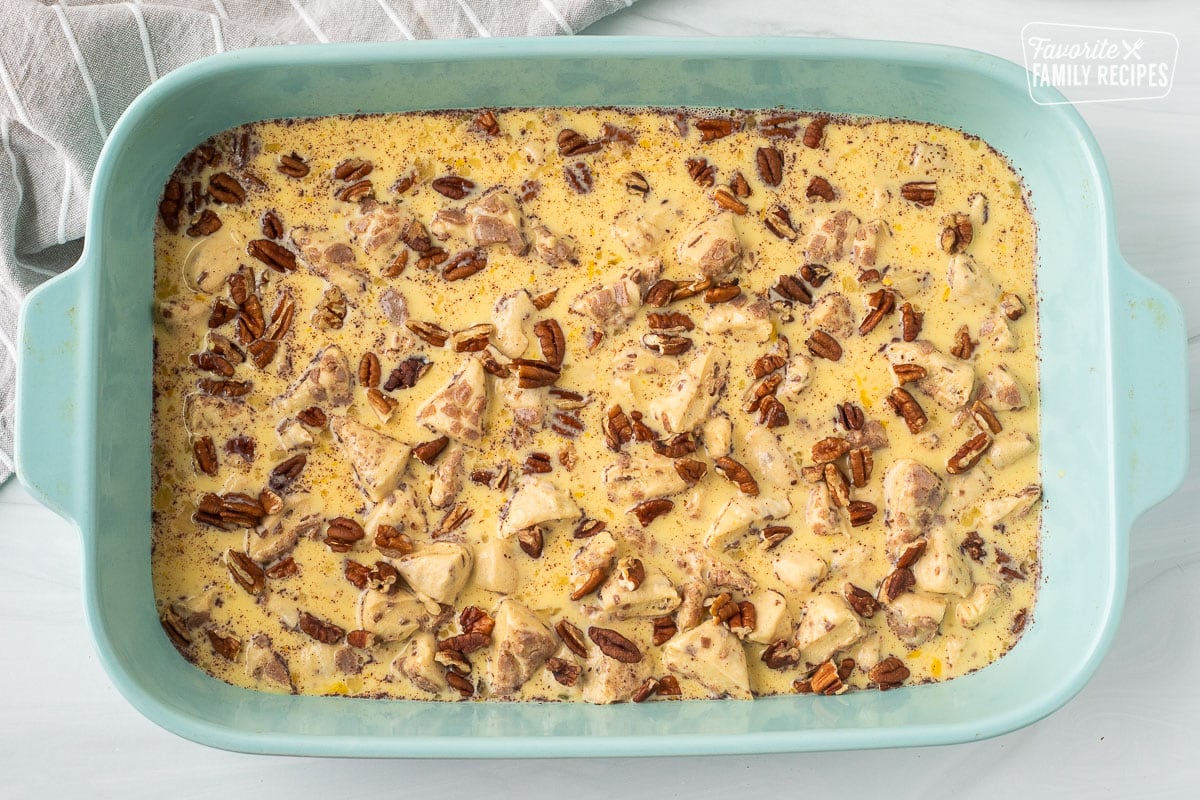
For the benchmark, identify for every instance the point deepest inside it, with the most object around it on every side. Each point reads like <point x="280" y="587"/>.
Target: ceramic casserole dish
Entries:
<point x="1113" y="413"/>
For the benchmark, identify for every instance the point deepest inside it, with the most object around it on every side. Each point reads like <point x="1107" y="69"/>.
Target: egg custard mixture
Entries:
<point x="594" y="404"/>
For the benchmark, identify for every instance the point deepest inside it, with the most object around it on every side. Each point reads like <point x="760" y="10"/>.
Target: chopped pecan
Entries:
<point x="564" y="671"/>
<point x="644" y="692"/>
<point x="673" y="320"/>
<point x="465" y="643"/>
<point x="736" y="473"/>
<point x="770" y="165"/>
<point x="397" y="265"/>
<point x="1012" y="306"/>
<point x="617" y="428"/>
<point x="860" y="600"/>
<point x="896" y="584"/>
<point x="881" y="303"/>
<point x="691" y="470"/>
<point x="815" y="274"/>
<point x="779" y="126"/>
<point x="406" y="375"/>
<point x="579" y="177"/>
<point x="630" y="574"/>
<point x="701" y="171"/>
<point x="649" y="510"/>
<point x="271" y="502"/>
<point x="322" y="631"/>
<point x="460" y="683"/>
<point x="973" y="546"/>
<point x="666" y="344"/>
<point x="826" y="680"/>
<point x="171" y="206"/>
<point x="905" y="405"/>
<point x="359" y="638"/>
<point x="241" y="446"/>
<point x="588" y="528"/>
<point x="286" y="472"/>
<point x="431" y="258"/>
<point x="912" y="553"/>
<point x="573" y="143"/>
<point x="839" y="487"/>
<point x="721" y="293"/>
<point x="206" y="455"/>
<point x="923" y="193"/>
<point x="384" y="405"/>
<point x="538" y="463"/>
<point x="957" y="233"/>
<point x="771" y="413"/>
<point x="664" y="629"/>
<point x="969" y="454"/>
<point x="452" y="186"/>
<point x="284" y="569"/>
<point x="223" y="388"/>
<point x="888" y="673"/>
<point x="226" y="647"/>
<point x="661" y="293"/>
<point x="815" y="132"/>
<point x="614" y="645"/>
<point x="358" y="574"/>
<point x="823" y="345"/>
<point x="273" y="254"/>
<point x="789" y="287"/>
<point x="342" y="533"/>
<point x="683" y="291"/>
<point x="764" y="365"/>
<point x="465" y="264"/>
<point x="779" y="222"/>
<point x="1018" y="623"/>
<point x="393" y="542"/>
<point x="222" y="312"/>
<point x="985" y="418"/>
<point x="473" y="339"/>
<point x="485" y="122"/>
<point x="452" y="520"/>
<point x="416" y="237"/>
<point x="355" y="191"/>
<point x="739" y="185"/>
<point x="552" y="340"/>
<point x="675" y="446"/>
<point x="772" y="535"/>
<point x="427" y="452"/>
<point x="531" y="541"/>
<point x="964" y="346"/>
<point x="910" y="322"/>
<point x="594" y="579"/>
<point x="207" y="224"/>
<point x="780" y="655"/>
<point x="543" y="301"/>
<point x="244" y="572"/>
<point x="820" y="188"/>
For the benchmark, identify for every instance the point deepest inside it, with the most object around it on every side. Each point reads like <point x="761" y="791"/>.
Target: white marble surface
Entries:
<point x="65" y="732"/>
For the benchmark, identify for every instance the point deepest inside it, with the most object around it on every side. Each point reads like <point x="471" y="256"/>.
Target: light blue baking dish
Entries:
<point x="1113" y="429"/>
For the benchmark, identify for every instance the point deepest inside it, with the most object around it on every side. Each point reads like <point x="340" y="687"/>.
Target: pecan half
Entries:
<point x="736" y="473"/>
<point x="537" y="463"/>
<point x="957" y="233"/>
<point x="896" y="584"/>
<point x="206" y="455"/>
<point x="721" y="293"/>
<point x="908" y="373"/>
<point x="355" y="191"/>
<point x="572" y="637"/>
<point x="293" y="165"/>
<point x="664" y="629"/>
<point x="573" y="143"/>
<point x="460" y="683"/>
<point x="271" y="502"/>
<point x="543" y="301"/>
<point x="781" y="655"/>
<point x="923" y="193"/>
<point x="839" y="487"/>
<point x="860" y="600"/>
<point x="661" y="293"/>
<point x="861" y="464"/>
<point x="273" y="254"/>
<point x="815" y="132"/>
<point x="552" y="340"/>
<point x="614" y="645"/>
<point x="912" y="553"/>
<point x="286" y="472"/>
<point x="815" y="274"/>
<point x="666" y="344"/>
<point x="831" y="448"/>
<point x="353" y="169"/>
<point x="861" y="512"/>
<point x="531" y="541"/>
<point x="826" y="680"/>
<point x="431" y="258"/>
<point x="905" y="405"/>
<point x="701" y="171"/>
<point x="473" y="339"/>
<point x="645" y="691"/>
<point x="771" y="413"/>
<point x="713" y="128"/>
<point x="676" y="446"/>
<point x="383" y="404"/>
<point x="789" y="287"/>
<point x="452" y="186"/>
<point x="244" y="572"/>
<point x="963" y="346"/>
<point x="889" y="673"/>
<point x="485" y="122"/>
<point x="579" y="177"/>
<point x="226" y="647"/>
<point x="1012" y="306"/>
<point x="649" y="510"/>
<point x="427" y="452"/>
<point x="222" y="312"/>
<point x="630" y="574"/>
<point x="673" y="320"/>
<point x="820" y="189"/>
<point x="452" y="520"/>
<point x="683" y="291"/>
<point x="588" y="528"/>
<point x="770" y="165"/>
<point x="429" y="332"/>
<point x="393" y="542"/>
<point x="985" y="418"/>
<point x="465" y="264"/>
<point x="224" y="188"/>
<point x="342" y="533"/>
<point x="850" y="416"/>
<point x="772" y="535"/>
<point x="764" y="365"/>
<point x="823" y="345"/>
<point x="724" y="197"/>
<point x="969" y="454"/>
<point x="207" y="224"/>
<point x="223" y="388"/>
<point x="322" y="631"/>
<point x="636" y="183"/>
<point x="739" y="185"/>
<point x="369" y="370"/>
<point x="910" y="322"/>
<point x="533" y="374"/>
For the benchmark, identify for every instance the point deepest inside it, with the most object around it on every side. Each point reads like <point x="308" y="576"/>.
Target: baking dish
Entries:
<point x="1113" y="422"/>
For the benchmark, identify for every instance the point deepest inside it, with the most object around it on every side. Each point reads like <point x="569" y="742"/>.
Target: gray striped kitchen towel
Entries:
<point x="70" y="68"/>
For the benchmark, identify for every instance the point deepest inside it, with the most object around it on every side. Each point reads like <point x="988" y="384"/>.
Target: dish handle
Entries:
<point x="1150" y="391"/>
<point x="51" y="371"/>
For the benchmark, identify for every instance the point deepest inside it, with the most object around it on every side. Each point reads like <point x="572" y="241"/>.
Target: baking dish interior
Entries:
<point x="1083" y="546"/>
